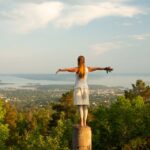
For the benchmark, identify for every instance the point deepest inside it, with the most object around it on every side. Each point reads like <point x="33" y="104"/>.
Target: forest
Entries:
<point x="123" y="125"/>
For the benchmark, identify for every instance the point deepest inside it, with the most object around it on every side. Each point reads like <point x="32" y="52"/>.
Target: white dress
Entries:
<point x="81" y="90"/>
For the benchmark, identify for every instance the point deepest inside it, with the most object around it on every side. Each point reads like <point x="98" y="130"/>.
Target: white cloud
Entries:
<point x="30" y="16"/>
<point x="101" y="48"/>
<point x="26" y="17"/>
<point x="83" y="14"/>
<point x="141" y="36"/>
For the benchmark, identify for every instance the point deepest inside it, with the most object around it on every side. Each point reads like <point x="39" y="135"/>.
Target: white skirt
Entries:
<point x="81" y="96"/>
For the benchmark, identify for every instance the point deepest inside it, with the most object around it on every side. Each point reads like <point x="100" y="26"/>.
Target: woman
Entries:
<point x="81" y="92"/>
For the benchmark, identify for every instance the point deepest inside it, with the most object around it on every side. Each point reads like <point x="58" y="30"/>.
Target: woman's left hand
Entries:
<point x="58" y="71"/>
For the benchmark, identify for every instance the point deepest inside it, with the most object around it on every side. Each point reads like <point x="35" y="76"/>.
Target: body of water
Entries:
<point x="19" y="80"/>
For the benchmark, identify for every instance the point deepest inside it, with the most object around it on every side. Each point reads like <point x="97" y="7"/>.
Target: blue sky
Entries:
<point x="39" y="36"/>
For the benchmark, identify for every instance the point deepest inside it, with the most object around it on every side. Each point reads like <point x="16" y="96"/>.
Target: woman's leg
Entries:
<point x="80" y="108"/>
<point x="85" y="114"/>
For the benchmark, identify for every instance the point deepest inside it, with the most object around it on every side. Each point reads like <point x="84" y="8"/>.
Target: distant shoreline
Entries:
<point x="100" y="79"/>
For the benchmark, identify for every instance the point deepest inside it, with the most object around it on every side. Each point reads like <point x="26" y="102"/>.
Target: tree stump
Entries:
<point x="82" y="138"/>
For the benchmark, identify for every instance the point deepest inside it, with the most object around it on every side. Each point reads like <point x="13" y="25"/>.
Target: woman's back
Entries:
<point x="81" y="82"/>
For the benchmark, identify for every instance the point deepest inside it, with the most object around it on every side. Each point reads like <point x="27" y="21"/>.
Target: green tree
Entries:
<point x="10" y="117"/>
<point x="124" y="123"/>
<point x="138" y="89"/>
<point x="59" y="138"/>
<point x="65" y="105"/>
<point x="4" y="131"/>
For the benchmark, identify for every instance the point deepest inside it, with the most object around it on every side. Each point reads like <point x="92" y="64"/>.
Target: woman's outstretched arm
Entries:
<point x="108" y="69"/>
<point x="67" y="69"/>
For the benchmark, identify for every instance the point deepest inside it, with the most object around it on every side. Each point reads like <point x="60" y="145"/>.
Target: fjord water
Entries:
<point x="19" y="80"/>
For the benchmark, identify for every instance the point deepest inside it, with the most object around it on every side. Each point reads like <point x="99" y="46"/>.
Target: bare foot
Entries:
<point x="84" y="123"/>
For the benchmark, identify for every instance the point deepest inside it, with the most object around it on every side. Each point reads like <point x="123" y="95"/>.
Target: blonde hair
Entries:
<point x="81" y="67"/>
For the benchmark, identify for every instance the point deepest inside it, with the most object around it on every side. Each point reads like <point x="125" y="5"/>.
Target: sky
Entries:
<point x="40" y="36"/>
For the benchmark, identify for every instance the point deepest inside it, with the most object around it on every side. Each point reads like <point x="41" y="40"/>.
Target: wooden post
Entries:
<point x="82" y="138"/>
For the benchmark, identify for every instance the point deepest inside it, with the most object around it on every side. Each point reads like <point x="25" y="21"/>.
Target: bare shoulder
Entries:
<point x="89" y="68"/>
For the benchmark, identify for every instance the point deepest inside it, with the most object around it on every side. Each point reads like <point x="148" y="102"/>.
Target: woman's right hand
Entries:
<point x="109" y="69"/>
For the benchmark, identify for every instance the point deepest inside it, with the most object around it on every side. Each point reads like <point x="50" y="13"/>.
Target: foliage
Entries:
<point x="4" y="131"/>
<point x="124" y="123"/>
<point x="33" y="128"/>
<point x="138" y="89"/>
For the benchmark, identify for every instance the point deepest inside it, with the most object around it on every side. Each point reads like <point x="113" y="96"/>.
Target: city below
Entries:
<point x="43" y="94"/>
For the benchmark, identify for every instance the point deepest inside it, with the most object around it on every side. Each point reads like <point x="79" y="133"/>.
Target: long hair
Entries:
<point x="81" y="67"/>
